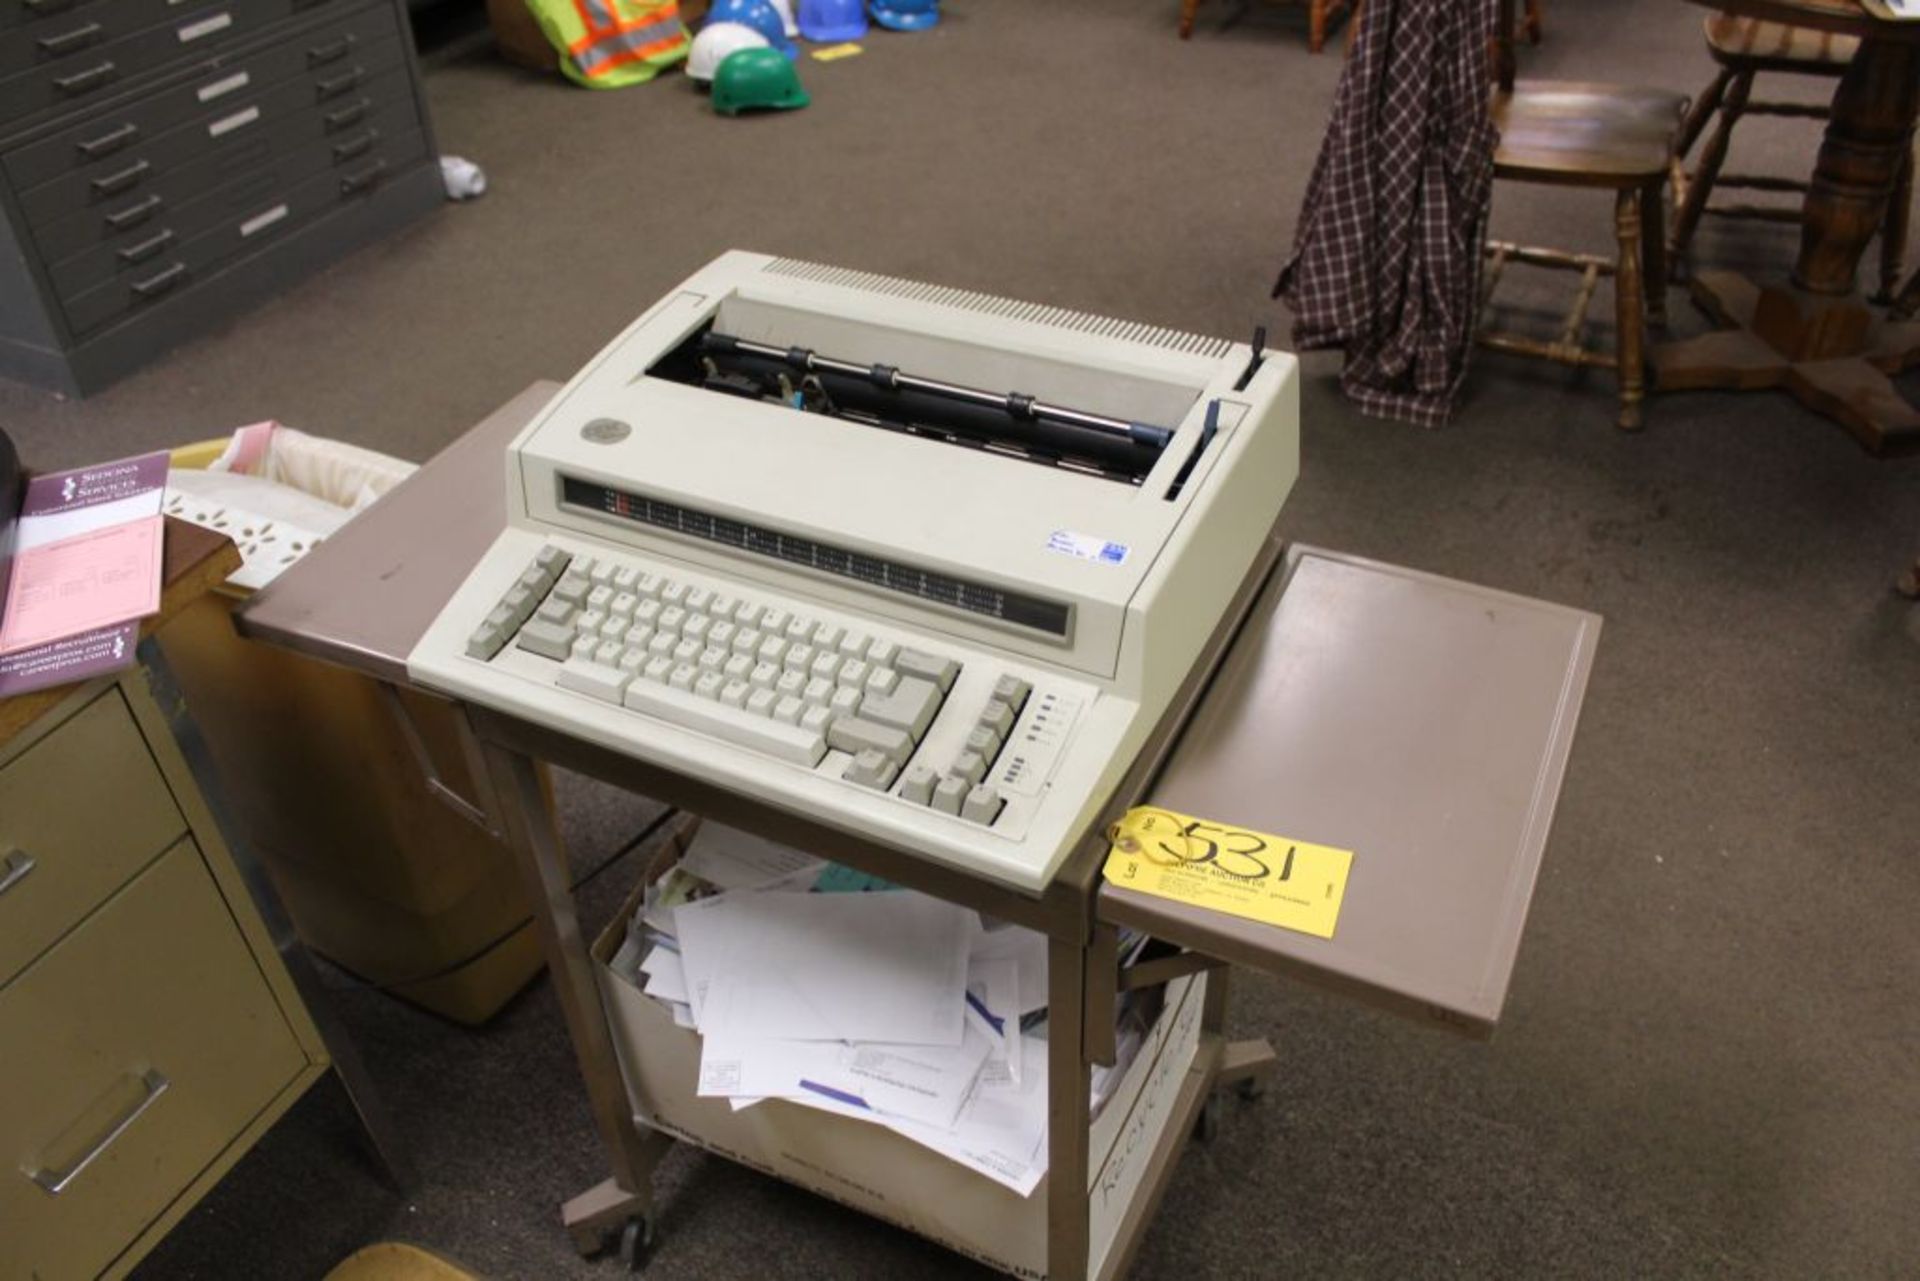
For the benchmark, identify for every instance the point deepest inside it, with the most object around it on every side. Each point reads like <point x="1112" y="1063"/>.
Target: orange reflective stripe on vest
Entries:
<point x="611" y="41"/>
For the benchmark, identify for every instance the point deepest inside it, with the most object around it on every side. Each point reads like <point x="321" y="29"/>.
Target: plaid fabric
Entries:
<point x="1386" y="258"/>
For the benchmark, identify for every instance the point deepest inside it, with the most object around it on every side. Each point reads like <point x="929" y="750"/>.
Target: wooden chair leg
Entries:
<point x="1893" y="231"/>
<point x="1700" y="186"/>
<point x="1187" y="8"/>
<point x="1653" y="251"/>
<point x="1702" y="111"/>
<point x="1629" y="310"/>
<point x="1316" y="25"/>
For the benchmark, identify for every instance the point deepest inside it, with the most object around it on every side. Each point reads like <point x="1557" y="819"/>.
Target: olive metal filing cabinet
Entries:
<point x="165" y="164"/>
<point x="149" y="1033"/>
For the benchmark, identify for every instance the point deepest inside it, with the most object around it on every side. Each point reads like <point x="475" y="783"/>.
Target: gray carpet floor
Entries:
<point x="1707" y="1062"/>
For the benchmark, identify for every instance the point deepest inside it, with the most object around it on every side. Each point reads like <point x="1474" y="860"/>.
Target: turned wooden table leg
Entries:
<point x="1187" y="9"/>
<point x="1868" y="138"/>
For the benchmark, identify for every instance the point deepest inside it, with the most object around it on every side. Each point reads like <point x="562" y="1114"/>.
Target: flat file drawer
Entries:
<point x="100" y="144"/>
<point x="136" y="1051"/>
<point x="85" y="208"/>
<point x="73" y="33"/>
<point x="289" y="163"/>
<point x="255" y="212"/>
<point x="81" y="811"/>
<point x="197" y="32"/>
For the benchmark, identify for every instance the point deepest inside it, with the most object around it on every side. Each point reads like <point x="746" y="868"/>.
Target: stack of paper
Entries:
<point x="884" y="1005"/>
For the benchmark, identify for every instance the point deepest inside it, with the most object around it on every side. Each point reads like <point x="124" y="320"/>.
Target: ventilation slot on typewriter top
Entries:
<point x="879" y="395"/>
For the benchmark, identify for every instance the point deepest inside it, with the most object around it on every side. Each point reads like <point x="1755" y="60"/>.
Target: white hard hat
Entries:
<point x="785" y="9"/>
<point x="715" y="41"/>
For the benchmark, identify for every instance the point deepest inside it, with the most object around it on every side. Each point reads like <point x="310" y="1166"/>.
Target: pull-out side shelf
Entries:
<point x="1424" y="724"/>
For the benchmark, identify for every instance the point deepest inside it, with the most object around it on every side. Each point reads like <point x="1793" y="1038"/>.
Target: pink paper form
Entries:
<point x="94" y="579"/>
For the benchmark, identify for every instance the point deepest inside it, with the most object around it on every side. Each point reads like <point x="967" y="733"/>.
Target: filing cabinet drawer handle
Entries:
<point x="155" y="285"/>
<point x="365" y="179"/>
<point x="54" y="1182"/>
<point x="339" y="84"/>
<point x="133" y="215"/>
<point x="108" y="142"/>
<point x="86" y="81"/>
<point x="115" y="183"/>
<point x="65" y="43"/>
<point x="346" y="116"/>
<point x="17" y="864"/>
<point x="355" y="146"/>
<point x="147" y="248"/>
<point x="326" y="53"/>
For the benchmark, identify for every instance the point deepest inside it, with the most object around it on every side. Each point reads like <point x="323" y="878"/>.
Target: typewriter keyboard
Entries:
<point x="754" y="674"/>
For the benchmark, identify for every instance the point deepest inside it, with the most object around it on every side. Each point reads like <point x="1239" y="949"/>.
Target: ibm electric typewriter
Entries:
<point x="920" y="563"/>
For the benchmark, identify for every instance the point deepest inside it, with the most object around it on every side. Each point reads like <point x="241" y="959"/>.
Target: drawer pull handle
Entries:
<point x="133" y="215"/>
<point x="347" y="116"/>
<point x="17" y="864"/>
<point x="338" y="85"/>
<point x="108" y="142"/>
<point x="330" y="52"/>
<point x="352" y="147"/>
<point x="114" y="183"/>
<point x="86" y="81"/>
<point x="155" y="285"/>
<point x="366" y="178"/>
<point x="147" y="248"/>
<point x="54" y="1182"/>
<point x="79" y="38"/>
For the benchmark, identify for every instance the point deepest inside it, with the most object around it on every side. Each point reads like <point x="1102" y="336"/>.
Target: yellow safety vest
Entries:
<point x="605" y="44"/>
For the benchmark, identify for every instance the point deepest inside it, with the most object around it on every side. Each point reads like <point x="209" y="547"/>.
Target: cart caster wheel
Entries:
<point x="1251" y="1089"/>
<point x="636" y="1241"/>
<point x="1206" y="1126"/>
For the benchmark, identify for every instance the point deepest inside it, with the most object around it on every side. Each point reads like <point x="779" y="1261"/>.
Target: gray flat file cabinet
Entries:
<point x="165" y="164"/>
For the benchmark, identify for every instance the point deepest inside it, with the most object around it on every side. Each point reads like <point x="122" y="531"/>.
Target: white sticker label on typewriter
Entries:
<point x="227" y="124"/>
<point x="261" y="221"/>
<point x="224" y="86"/>
<point x="205" y="27"/>
<point x="1087" y="547"/>
<point x="1030" y="755"/>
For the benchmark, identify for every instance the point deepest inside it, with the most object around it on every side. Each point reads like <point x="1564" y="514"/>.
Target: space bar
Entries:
<point x="743" y="729"/>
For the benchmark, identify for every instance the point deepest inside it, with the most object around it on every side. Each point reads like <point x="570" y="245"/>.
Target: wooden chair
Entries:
<point x="1745" y="47"/>
<point x="1606" y="136"/>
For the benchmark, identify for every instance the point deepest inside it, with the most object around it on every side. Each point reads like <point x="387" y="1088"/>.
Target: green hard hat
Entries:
<point x="751" y="78"/>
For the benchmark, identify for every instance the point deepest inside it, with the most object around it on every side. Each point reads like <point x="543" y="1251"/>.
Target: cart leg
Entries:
<point x="1243" y="1064"/>
<point x="530" y="830"/>
<point x="1068" y="1246"/>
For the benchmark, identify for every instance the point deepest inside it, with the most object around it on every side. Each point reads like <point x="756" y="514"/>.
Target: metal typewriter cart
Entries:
<point x="1376" y="635"/>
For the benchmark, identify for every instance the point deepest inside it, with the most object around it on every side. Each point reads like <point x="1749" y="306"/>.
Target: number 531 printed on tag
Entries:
<point x="1293" y="884"/>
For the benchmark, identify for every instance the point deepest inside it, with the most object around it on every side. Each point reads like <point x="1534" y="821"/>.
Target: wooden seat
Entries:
<point x="1743" y="48"/>
<point x="1616" y="137"/>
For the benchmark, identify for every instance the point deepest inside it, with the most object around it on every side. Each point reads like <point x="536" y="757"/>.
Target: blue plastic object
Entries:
<point x="832" y="20"/>
<point x="905" y="15"/>
<point x="759" y="15"/>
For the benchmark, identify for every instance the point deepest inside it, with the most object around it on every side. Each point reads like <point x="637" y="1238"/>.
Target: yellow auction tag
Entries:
<point x="1288" y="883"/>
<point x="835" y="52"/>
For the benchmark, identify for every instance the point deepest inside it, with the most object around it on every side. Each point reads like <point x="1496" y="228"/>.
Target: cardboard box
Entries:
<point x="872" y="1169"/>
